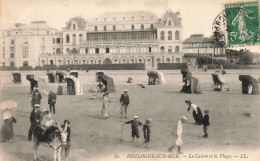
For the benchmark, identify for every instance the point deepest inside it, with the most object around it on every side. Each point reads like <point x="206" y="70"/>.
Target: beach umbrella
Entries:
<point x="8" y="104"/>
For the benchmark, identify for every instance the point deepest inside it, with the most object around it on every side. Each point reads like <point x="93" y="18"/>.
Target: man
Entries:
<point x="60" y="89"/>
<point x="147" y="131"/>
<point x="134" y="125"/>
<point x="124" y="100"/>
<point x="179" y="133"/>
<point x="36" y="97"/>
<point x="52" y="101"/>
<point x="35" y="119"/>
<point x="66" y="147"/>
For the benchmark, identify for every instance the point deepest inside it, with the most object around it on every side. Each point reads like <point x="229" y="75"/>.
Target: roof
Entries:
<point x="198" y="38"/>
<point x="34" y="25"/>
<point x="129" y="16"/>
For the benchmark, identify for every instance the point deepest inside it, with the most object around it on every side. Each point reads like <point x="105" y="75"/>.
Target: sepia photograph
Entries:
<point x="129" y="80"/>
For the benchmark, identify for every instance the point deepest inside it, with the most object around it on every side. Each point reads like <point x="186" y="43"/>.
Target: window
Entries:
<point x="151" y="26"/>
<point x="123" y="18"/>
<point x="25" y="63"/>
<point x="25" y="53"/>
<point x="8" y="33"/>
<point x="67" y="51"/>
<point x="74" y="26"/>
<point x="43" y="62"/>
<point x="74" y="39"/>
<point x="12" y="42"/>
<point x="169" y="49"/>
<point x="133" y="17"/>
<point x="86" y="50"/>
<point x="114" y="18"/>
<point x="107" y="50"/>
<point x="105" y="28"/>
<point x="150" y="49"/>
<point x="12" y="64"/>
<point x="169" y="35"/>
<point x="162" y="49"/>
<point x="162" y="35"/>
<point x="11" y="49"/>
<point x="96" y="50"/>
<point x="58" y="51"/>
<point x="95" y="28"/>
<point x="80" y="37"/>
<point x="142" y="26"/>
<point x="177" y="49"/>
<point x="114" y="27"/>
<point x="48" y="32"/>
<point x="43" y="48"/>
<point x="105" y="19"/>
<point x="133" y="27"/>
<point x="169" y="23"/>
<point x="43" y="40"/>
<point x="12" y="55"/>
<point x="67" y="38"/>
<point x="83" y="61"/>
<point x="177" y="35"/>
<point x="58" y="40"/>
<point x="142" y="17"/>
<point x="53" y="40"/>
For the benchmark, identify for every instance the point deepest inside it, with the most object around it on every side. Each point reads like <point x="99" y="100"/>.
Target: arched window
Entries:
<point x="76" y="62"/>
<point x="177" y="49"/>
<point x="51" y="62"/>
<point x="68" y="62"/>
<point x="162" y="35"/>
<point x="67" y="38"/>
<point x="177" y="35"/>
<point x="58" y="51"/>
<point x="169" y="23"/>
<point x="80" y="37"/>
<point x="67" y="51"/>
<point x="91" y="61"/>
<point x="43" y="62"/>
<point x="169" y="35"/>
<point x="74" y="26"/>
<point x="83" y="61"/>
<point x="140" y="61"/>
<point x="114" y="27"/>
<point x="25" y="63"/>
<point x="59" y="61"/>
<point x="168" y="60"/>
<point x="132" y="61"/>
<point x="74" y="39"/>
<point x="142" y="27"/>
<point x="162" y="49"/>
<point x="95" y="28"/>
<point x="12" y="64"/>
<point x="105" y="28"/>
<point x="169" y="49"/>
<point x="158" y="60"/>
<point x="133" y="27"/>
<point x="99" y="61"/>
<point x="151" y="26"/>
<point x="178" y="60"/>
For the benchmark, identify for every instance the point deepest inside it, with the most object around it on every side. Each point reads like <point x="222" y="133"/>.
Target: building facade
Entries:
<point x="111" y="38"/>
<point x="198" y="45"/>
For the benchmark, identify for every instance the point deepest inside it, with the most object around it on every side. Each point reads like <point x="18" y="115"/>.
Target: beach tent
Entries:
<point x="249" y="84"/>
<point x="191" y="83"/>
<point x="155" y="78"/>
<point x="52" y="77"/>
<point x="108" y="82"/>
<point x="17" y="77"/>
<point x="61" y="76"/>
<point x="74" y="73"/>
<point x="221" y="81"/>
<point x="74" y="86"/>
<point x="37" y="81"/>
<point x="98" y="74"/>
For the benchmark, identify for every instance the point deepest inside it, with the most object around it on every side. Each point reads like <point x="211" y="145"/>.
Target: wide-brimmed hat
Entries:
<point x="206" y="111"/>
<point x="125" y="90"/>
<point x="37" y="105"/>
<point x="135" y="117"/>
<point x="66" y="121"/>
<point x="184" y="118"/>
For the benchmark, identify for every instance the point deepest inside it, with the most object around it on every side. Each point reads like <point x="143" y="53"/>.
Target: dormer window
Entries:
<point x="169" y="23"/>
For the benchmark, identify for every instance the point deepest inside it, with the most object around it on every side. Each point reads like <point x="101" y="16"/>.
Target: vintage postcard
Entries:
<point x="134" y="80"/>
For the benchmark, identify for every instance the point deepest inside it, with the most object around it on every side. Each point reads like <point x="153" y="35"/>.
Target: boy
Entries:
<point x="135" y="131"/>
<point x="206" y="123"/>
<point x="147" y="131"/>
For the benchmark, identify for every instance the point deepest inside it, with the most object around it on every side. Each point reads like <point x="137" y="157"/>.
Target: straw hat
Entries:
<point x="37" y="105"/>
<point x="184" y="118"/>
<point x="125" y="90"/>
<point x="135" y="117"/>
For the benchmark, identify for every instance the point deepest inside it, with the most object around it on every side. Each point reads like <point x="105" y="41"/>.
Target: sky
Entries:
<point x="197" y="15"/>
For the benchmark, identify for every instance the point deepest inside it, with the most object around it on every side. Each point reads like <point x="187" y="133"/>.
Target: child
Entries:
<point x="135" y="131"/>
<point x="206" y="123"/>
<point x="147" y="131"/>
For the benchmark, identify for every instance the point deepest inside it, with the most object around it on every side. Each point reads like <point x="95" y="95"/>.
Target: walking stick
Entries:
<point x="122" y="133"/>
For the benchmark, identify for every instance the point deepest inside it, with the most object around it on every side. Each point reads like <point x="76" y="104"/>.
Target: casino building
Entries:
<point x="110" y="38"/>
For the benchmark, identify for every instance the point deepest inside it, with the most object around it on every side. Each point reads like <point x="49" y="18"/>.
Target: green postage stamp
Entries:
<point x="242" y="22"/>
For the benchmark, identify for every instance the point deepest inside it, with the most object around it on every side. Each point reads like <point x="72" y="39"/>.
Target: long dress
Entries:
<point x="7" y="131"/>
<point x="105" y="107"/>
<point x="179" y="133"/>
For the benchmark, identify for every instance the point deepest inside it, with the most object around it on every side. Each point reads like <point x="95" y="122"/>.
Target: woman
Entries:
<point x="60" y="89"/>
<point x="7" y="131"/>
<point x="197" y="115"/>
<point x="105" y="107"/>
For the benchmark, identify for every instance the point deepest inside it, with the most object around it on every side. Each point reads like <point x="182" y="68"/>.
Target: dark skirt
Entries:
<point x="7" y="131"/>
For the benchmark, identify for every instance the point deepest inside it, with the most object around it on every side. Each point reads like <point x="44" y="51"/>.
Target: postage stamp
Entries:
<point x="242" y="23"/>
